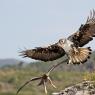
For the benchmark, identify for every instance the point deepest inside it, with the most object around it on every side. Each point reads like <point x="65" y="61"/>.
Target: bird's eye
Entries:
<point x="61" y="41"/>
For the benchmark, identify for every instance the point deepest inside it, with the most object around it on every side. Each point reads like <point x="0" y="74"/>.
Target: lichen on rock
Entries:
<point x="84" y="88"/>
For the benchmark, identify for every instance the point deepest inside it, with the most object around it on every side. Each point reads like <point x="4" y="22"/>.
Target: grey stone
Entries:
<point x="84" y="88"/>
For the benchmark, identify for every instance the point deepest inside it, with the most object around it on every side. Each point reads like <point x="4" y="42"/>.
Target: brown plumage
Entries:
<point x="45" y="54"/>
<point x="80" y="56"/>
<point x="86" y="32"/>
<point x="72" y="46"/>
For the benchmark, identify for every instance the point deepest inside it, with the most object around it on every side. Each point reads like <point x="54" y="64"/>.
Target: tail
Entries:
<point x="80" y="56"/>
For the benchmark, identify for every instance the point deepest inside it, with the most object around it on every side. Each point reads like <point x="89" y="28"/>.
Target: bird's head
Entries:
<point x="61" y="42"/>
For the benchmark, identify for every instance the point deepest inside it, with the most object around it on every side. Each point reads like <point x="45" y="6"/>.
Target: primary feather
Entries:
<point x="45" y="53"/>
<point x="86" y="32"/>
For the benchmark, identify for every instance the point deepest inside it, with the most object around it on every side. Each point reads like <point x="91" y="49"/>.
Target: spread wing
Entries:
<point x="49" y="53"/>
<point x="86" y="32"/>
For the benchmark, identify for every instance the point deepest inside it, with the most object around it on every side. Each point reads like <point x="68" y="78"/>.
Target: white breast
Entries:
<point x="67" y="46"/>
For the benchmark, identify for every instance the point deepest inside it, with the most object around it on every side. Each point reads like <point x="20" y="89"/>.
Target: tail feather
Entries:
<point x="81" y="56"/>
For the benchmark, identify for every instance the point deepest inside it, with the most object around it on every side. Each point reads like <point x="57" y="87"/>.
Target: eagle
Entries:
<point x="71" y="46"/>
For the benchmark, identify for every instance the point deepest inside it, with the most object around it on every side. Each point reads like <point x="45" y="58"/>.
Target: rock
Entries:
<point x="84" y="88"/>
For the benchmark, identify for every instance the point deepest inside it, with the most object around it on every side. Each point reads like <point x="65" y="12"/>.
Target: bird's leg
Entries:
<point x="43" y="79"/>
<point x="75" y="48"/>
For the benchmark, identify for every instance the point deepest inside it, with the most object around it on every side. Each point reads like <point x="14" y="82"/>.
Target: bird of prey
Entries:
<point x="71" y="46"/>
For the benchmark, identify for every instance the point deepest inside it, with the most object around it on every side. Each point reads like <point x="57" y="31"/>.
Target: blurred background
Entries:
<point x="33" y="23"/>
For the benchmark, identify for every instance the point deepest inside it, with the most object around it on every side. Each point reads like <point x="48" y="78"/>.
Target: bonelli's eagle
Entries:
<point x="72" y="46"/>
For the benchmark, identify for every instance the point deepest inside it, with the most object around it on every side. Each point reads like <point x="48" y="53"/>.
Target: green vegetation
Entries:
<point x="13" y="76"/>
<point x="12" y="79"/>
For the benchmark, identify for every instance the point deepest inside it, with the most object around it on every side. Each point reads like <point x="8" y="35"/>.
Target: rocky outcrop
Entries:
<point x="84" y="88"/>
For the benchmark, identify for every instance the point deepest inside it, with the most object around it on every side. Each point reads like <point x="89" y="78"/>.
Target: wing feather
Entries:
<point x="49" y="53"/>
<point x="86" y="32"/>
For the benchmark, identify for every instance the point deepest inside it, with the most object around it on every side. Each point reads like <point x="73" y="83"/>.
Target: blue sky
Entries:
<point x="32" y="23"/>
